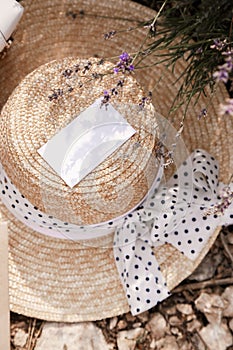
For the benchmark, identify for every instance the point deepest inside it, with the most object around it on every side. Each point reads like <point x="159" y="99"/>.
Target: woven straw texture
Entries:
<point x="113" y="188"/>
<point x="58" y="279"/>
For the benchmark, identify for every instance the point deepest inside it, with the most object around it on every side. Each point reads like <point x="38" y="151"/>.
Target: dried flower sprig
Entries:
<point x="197" y="31"/>
<point x="226" y="198"/>
<point x="125" y="64"/>
<point x="226" y="108"/>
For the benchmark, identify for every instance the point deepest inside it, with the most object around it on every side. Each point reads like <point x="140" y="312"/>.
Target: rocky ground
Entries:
<point x="198" y="316"/>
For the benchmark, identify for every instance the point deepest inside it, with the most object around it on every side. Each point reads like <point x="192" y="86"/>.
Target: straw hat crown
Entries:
<point x="46" y="101"/>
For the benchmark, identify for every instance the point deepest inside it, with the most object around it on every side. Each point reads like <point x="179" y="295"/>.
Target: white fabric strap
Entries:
<point x="46" y="224"/>
<point x="10" y="14"/>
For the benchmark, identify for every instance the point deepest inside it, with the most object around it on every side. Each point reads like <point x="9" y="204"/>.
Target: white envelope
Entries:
<point x="86" y="142"/>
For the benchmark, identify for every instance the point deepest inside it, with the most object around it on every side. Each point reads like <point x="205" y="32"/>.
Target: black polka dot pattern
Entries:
<point x="144" y="283"/>
<point x="173" y="214"/>
<point x="24" y="211"/>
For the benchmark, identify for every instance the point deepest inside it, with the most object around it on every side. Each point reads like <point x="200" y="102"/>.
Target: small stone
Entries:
<point x="175" y="331"/>
<point x="216" y="336"/>
<point x="184" y="345"/>
<point x="153" y="344"/>
<point x="137" y="324"/>
<point x="190" y="317"/>
<point x="197" y="342"/>
<point x="231" y="324"/>
<point x="157" y="326"/>
<point x="167" y="343"/>
<point x="193" y="326"/>
<point x="62" y="336"/>
<point x="113" y="322"/>
<point x="122" y="324"/>
<point x="230" y="237"/>
<point x="144" y="316"/>
<point x="175" y="321"/>
<point x="171" y="310"/>
<point x="130" y="318"/>
<point x="126" y="340"/>
<point x="185" y="309"/>
<point x="227" y="297"/>
<point x="20" y="338"/>
<point x="211" y="305"/>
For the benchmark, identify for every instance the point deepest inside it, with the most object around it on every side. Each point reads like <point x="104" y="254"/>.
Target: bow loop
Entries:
<point x="175" y="214"/>
<point x="205" y="174"/>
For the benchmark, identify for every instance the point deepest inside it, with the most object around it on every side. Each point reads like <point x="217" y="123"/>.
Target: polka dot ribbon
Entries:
<point x="184" y="213"/>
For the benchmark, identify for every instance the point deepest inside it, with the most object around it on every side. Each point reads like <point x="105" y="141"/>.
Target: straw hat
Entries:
<point x="59" y="279"/>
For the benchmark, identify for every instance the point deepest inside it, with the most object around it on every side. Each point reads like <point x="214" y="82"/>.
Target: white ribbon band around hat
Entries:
<point x="174" y="213"/>
<point x="10" y="13"/>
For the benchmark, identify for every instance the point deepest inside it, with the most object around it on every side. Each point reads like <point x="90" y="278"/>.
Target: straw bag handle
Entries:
<point x="10" y="14"/>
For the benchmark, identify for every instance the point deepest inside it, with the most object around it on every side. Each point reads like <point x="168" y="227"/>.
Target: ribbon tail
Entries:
<point x="140" y="275"/>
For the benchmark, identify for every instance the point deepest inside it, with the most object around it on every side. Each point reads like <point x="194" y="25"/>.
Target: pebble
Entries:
<point x="153" y="344"/>
<point x="74" y="336"/>
<point x="185" y="309"/>
<point x="137" y="324"/>
<point x="113" y="323"/>
<point x="216" y="336"/>
<point x="20" y="338"/>
<point x="171" y="310"/>
<point x="211" y="305"/>
<point x="175" y="321"/>
<point x="126" y="340"/>
<point x="230" y="237"/>
<point x="231" y="324"/>
<point x="193" y="325"/>
<point x="122" y="324"/>
<point x="157" y="326"/>
<point x="144" y="316"/>
<point x="175" y="331"/>
<point x="197" y="342"/>
<point x="167" y="343"/>
<point x="227" y="297"/>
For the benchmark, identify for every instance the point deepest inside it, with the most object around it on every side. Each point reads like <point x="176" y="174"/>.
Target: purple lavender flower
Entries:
<point x="221" y="75"/>
<point x="109" y="35"/>
<point x="228" y="66"/>
<point x="124" y="57"/>
<point x="124" y="65"/>
<point x="227" y="108"/>
<point x="218" y="44"/>
<point x="226" y="198"/>
<point x="203" y="113"/>
<point x="106" y="99"/>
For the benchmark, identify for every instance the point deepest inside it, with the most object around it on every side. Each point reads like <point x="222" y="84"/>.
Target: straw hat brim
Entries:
<point x="62" y="280"/>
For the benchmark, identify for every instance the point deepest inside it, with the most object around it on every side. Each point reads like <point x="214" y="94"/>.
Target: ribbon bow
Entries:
<point x="183" y="213"/>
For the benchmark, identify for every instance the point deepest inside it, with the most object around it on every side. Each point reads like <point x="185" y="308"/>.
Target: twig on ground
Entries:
<point x="204" y="284"/>
<point x="226" y="247"/>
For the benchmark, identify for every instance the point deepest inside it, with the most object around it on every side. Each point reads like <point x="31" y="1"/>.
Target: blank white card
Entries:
<point x="86" y="142"/>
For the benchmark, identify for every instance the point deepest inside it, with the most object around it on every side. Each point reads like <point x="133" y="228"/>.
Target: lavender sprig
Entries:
<point x="125" y="64"/>
<point x="226" y="198"/>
